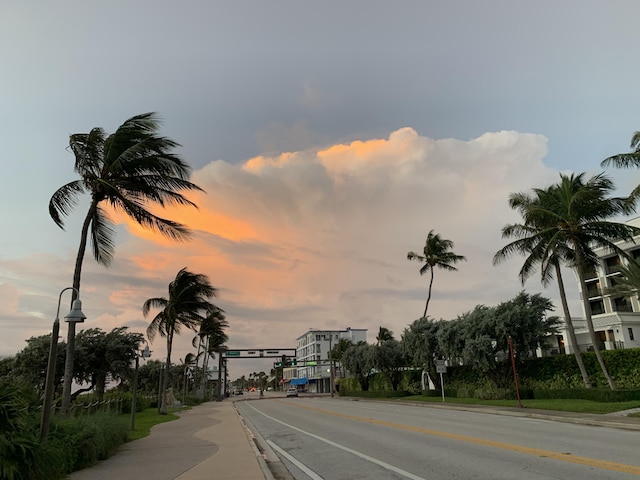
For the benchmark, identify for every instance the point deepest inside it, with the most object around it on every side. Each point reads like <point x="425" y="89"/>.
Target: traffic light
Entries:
<point x="293" y="362"/>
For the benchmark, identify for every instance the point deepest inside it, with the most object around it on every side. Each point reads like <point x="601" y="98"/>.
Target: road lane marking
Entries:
<point x="382" y="464"/>
<point x="565" y="457"/>
<point x="313" y="475"/>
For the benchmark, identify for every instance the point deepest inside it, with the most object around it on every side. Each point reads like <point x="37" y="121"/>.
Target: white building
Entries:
<point x="312" y="356"/>
<point x="616" y="319"/>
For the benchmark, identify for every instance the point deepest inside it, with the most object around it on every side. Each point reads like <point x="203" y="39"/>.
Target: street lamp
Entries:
<point x="146" y="353"/>
<point x="331" y="374"/>
<point x="77" y="317"/>
<point x="75" y="313"/>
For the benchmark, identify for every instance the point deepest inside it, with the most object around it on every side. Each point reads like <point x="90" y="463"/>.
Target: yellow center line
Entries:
<point x="565" y="457"/>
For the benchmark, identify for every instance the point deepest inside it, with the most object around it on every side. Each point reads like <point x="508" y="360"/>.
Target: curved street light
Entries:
<point x="75" y="315"/>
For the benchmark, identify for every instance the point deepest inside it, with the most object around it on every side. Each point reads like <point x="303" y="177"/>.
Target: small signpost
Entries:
<point x="441" y="367"/>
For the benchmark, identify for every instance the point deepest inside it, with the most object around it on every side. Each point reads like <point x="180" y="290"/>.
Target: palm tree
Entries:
<point x="213" y="337"/>
<point x="436" y="253"/>
<point x="338" y="351"/>
<point x="186" y="306"/>
<point x="129" y="170"/>
<point x="536" y="242"/>
<point x="627" y="160"/>
<point x="384" y="334"/>
<point x="190" y="362"/>
<point x="573" y="216"/>
<point x="628" y="283"/>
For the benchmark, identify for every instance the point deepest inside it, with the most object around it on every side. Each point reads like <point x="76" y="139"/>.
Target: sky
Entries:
<point x="329" y="138"/>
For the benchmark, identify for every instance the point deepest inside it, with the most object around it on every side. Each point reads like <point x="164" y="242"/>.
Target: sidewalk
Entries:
<point x="208" y="441"/>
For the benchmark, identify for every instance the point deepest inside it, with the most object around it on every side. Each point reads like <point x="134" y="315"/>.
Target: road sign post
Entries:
<point x="441" y="367"/>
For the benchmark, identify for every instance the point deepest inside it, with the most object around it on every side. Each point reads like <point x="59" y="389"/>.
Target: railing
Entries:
<point x="111" y="405"/>
<point x="618" y="345"/>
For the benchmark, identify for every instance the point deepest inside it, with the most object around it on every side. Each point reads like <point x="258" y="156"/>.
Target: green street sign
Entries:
<point x="232" y="354"/>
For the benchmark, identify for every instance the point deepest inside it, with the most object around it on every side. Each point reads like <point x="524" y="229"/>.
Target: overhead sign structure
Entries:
<point x="260" y="353"/>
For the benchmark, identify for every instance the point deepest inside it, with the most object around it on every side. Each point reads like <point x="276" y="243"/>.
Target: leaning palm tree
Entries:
<point x="436" y="253"/>
<point x="575" y="217"/>
<point x="186" y="306"/>
<point x="536" y="242"/>
<point x="129" y="170"/>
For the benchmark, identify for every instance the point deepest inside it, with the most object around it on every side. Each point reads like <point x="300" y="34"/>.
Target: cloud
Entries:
<point x="318" y="238"/>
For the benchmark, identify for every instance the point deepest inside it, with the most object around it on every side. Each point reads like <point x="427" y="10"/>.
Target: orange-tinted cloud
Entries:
<point x="312" y="239"/>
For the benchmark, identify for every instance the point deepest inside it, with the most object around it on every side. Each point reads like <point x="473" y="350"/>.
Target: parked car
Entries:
<point x="292" y="392"/>
<point x="238" y="391"/>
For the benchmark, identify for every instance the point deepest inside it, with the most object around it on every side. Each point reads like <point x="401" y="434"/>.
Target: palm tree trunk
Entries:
<point x="71" y="333"/>
<point x="570" y="329"/>
<point x="220" y="392"/>
<point x="592" y="332"/>
<point x="84" y="236"/>
<point x="165" y="379"/>
<point x="205" y="363"/>
<point x="428" y="294"/>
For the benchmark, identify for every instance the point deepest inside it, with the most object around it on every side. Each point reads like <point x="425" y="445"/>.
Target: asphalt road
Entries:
<point x="325" y="438"/>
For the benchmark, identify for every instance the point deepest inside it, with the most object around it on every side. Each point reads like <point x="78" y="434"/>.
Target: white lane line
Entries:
<point x="297" y="463"/>
<point x="342" y="447"/>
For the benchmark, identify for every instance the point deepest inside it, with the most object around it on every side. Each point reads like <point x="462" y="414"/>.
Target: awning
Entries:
<point x="299" y="381"/>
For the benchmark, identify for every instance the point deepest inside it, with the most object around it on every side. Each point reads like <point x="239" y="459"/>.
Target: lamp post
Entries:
<point x="75" y="313"/>
<point x="146" y="353"/>
<point x="71" y="348"/>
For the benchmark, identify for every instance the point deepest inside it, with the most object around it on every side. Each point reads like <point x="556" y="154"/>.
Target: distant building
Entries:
<point x="312" y="356"/>
<point x="616" y="319"/>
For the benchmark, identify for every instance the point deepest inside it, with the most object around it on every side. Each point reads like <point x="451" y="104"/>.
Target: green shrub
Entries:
<point x="19" y="445"/>
<point x="376" y="393"/>
<point x="83" y="441"/>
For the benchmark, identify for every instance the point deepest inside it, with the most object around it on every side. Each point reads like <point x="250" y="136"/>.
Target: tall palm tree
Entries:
<point x="436" y="253"/>
<point x="129" y="170"/>
<point x="574" y="216"/>
<point x="186" y="306"/>
<point x="535" y="241"/>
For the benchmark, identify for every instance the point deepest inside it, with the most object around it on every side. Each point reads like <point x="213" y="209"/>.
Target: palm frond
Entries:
<point x="63" y="200"/>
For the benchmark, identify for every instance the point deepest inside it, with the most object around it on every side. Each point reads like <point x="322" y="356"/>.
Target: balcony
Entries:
<point x="593" y="289"/>
<point x="622" y="304"/>
<point x="612" y="265"/>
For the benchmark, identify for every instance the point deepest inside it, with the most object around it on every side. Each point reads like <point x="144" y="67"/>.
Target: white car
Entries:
<point x="292" y="392"/>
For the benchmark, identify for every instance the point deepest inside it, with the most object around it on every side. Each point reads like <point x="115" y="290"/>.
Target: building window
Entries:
<point x="590" y="274"/>
<point x="631" y="334"/>
<point x="622" y="304"/>
<point x="612" y="264"/>
<point x="593" y="289"/>
<point x="597" y="307"/>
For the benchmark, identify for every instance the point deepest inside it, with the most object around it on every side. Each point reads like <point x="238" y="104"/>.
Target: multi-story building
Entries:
<point x="312" y="356"/>
<point x="616" y="318"/>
